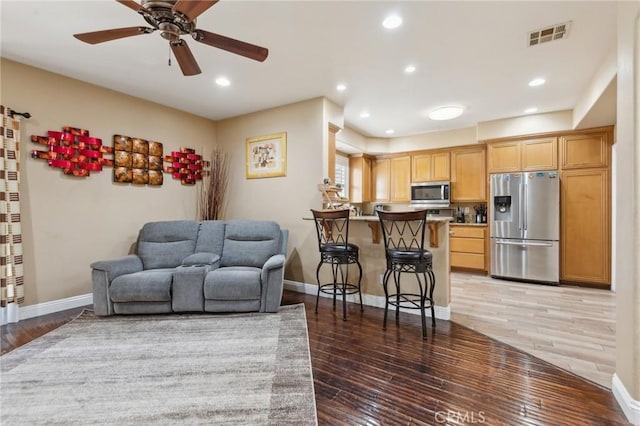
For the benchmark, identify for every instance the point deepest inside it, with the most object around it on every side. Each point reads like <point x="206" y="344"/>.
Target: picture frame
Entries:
<point x="267" y="156"/>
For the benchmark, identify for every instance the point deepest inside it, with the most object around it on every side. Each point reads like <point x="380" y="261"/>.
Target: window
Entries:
<point x="342" y="174"/>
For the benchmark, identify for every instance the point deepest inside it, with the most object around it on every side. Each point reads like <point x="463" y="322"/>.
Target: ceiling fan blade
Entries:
<point x="130" y="4"/>
<point x="192" y="9"/>
<point x="185" y="58"/>
<point x="238" y="47"/>
<point x="113" y="34"/>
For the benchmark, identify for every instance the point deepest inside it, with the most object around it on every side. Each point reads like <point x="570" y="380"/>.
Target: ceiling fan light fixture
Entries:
<point x="446" y="112"/>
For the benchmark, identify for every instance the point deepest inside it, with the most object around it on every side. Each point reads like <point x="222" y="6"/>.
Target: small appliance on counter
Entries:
<point x="460" y="215"/>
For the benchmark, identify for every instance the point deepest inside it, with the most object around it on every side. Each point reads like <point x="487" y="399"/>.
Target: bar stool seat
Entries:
<point x="332" y="228"/>
<point x="403" y="234"/>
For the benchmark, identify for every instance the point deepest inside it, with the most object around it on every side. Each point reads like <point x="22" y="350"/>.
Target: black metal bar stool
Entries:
<point x="403" y="234"/>
<point x="332" y="227"/>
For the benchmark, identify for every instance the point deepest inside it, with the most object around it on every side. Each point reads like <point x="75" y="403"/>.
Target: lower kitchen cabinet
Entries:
<point x="467" y="246"/>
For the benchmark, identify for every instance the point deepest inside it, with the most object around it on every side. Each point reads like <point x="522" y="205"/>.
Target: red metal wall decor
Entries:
<point x="73" y="151"/>
<point x="186" y="165"/>
<point x="137" y="161"/>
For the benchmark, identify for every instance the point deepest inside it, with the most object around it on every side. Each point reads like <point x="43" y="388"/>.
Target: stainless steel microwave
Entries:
<point x="431" y="194"/>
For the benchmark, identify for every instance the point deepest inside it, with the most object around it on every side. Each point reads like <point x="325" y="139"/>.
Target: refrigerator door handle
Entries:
<point x="524" y="243"/>
<point x="525" y="202"/>
<point x="520" y="218"/>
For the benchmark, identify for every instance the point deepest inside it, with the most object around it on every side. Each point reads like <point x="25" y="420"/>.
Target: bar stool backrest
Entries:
<point x="403" y="231"/>
<point x="332" y="228"/>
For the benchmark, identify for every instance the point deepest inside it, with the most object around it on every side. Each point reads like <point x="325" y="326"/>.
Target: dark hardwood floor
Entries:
<point x="366" y="376"/>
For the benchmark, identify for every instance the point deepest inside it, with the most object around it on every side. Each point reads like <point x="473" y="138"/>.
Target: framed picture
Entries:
<point x="267" y="156"/>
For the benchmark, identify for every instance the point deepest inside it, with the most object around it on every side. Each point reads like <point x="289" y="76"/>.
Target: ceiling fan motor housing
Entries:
<point x="160" y="15"/>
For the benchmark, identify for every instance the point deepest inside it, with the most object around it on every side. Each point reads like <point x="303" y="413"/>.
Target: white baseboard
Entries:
<point x="45" y="308"/>
<point x="630" y="406"/>
<point x="442" y="312"/>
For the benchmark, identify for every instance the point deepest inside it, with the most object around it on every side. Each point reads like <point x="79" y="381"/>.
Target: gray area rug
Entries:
<point x="244" y="369"/>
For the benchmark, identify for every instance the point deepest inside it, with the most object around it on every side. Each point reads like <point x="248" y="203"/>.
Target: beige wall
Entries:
<point x="284" y="199"/>
<point x="433" y="140"/>
<point x="525" y="125"/>
<point x="70" y="222"/>
<point x="626" y="201"/>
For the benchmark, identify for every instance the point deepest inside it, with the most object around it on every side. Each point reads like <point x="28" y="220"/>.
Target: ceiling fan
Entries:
<point x="174" y="18"/>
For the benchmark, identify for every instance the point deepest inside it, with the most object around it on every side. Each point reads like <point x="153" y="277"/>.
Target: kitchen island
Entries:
<point x="365" y="232"/>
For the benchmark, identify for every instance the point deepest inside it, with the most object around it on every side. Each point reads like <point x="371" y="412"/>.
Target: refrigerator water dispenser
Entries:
<point x="502" y="207"/>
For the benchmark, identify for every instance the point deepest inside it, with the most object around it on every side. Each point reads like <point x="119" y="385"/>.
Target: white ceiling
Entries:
<point x="472" y="53"/>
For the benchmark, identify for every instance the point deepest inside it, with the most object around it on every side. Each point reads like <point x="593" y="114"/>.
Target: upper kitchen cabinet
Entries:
<point x="430" y="167"/>
<point x="468" y="174"/>
<point x="400" y="179"/>
<point x="589" y="149"/>
<point x="392" y="179"/>
<point x="360" y="171"/>
<point x="381" y="179"/>
<point x="522" y="155"/>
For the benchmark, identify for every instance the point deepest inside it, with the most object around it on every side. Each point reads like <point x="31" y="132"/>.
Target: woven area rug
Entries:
<point x="245" y="369"/>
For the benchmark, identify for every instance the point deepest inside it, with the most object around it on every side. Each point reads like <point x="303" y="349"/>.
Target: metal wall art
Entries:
<point x="73" y="151"/>
<point x="186" y="165"/>
<point x="137" y="161"/>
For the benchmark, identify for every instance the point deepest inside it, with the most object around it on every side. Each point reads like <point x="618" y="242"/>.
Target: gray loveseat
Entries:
<point x="190" y="266"/>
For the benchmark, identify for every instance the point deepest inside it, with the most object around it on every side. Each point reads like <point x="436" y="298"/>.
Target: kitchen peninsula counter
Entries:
<point x="363" y="231"/>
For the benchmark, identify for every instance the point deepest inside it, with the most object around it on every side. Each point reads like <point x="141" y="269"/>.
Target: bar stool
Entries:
<point x="332" y="227"/>
<point x="403" y="234"/>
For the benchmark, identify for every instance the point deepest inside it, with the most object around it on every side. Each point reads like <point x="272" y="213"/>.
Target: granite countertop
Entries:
<point x="468" y="224"/>
<point x="372" y="218"/>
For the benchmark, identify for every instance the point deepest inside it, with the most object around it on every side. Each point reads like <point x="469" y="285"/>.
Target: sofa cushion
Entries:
<point x="165" y="244"/>
<point x="146" y="286"/>
<point x="210" y="237"/>
<point x="249" y="242"/>
<point x="233" y="283"/>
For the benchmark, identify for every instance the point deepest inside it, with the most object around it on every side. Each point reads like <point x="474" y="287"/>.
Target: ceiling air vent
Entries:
<point x="544" y="35"/>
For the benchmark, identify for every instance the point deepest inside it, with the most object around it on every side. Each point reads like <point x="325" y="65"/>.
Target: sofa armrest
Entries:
<point x="201" y="259"/>
<point x="119" y="266"/>
<point x="272" y="278"/>
<point x="103" y="272"/>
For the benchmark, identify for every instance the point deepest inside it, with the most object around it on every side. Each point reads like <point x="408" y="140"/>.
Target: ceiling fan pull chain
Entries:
<point x="169" y="54"/>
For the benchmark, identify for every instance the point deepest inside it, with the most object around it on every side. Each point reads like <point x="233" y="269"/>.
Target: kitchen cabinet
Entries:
<point x="585" y="235"/>
<point x="360" y="184"/>
<point x="392" y="177"/>
<point x="430" y="167"/>
<point x="586" y="150"/>
<point x="468" y="174"/>
<point x="400" y="178"/>
<point x="382" y="179"/>
<point x="467" y="246"/>
<point x="522" y="155"/>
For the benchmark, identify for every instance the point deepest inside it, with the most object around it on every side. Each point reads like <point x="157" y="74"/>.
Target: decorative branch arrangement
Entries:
<point x="214" y="187"/>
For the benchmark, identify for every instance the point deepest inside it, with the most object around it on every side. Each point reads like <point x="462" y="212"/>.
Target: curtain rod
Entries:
<point x="24" y="114"/>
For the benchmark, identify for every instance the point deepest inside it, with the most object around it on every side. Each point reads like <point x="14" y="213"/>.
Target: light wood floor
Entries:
<point x="570" y="327"/>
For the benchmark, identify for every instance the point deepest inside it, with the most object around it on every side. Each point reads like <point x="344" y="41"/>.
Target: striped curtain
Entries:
<point x="11" y="268"/>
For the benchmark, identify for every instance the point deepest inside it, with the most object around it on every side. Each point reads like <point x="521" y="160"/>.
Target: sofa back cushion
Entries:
<point x="249" y="242"/>
<point x="165" y="244"/>
<point x="210" y="237"/>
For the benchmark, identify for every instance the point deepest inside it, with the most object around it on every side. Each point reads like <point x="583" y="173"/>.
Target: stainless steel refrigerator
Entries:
<point x="525" y="226"/>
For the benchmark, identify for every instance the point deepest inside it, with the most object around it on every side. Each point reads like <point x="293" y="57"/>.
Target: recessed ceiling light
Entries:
<point x="410" y="69"/>
<point x="222" y="81"/>
<point x="446" y="112"/>
<point x="364" y="114"/>
<point x="341" y="87"/>
<point x="530" y="110"/>
<point x="537" y="82"/>
<point x="392" y="21"/>
<point x="389" y="131"/>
